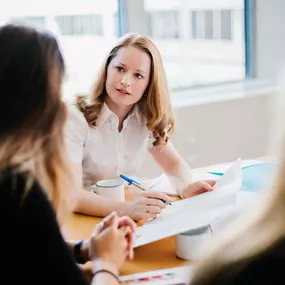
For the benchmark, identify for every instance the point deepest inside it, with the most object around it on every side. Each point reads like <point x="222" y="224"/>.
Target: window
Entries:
<point x="80" y="25"/>
<point x="226" y="25"/>
<point x="163" y="25"/>
<point x="194" y="24"/>
<point x="36" y="22"/>
<point x="206" y="24"/>
<point x="201" y="43"/>
<point x="116" y="23"/>
<point x="85" y="30"/>
<point x="209" y="25"/>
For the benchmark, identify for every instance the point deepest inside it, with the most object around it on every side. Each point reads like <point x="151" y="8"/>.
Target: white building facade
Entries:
<point x="201" y="41"/>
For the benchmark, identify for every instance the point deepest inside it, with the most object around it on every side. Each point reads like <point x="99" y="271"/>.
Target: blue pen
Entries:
<point x="137" y="184"/>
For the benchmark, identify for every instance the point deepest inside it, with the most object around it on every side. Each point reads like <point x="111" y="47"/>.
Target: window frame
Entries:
<point x="125" y="6"/>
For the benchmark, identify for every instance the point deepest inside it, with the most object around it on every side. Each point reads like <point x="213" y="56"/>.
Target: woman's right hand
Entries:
<point x="111" y="245"/>
<point x="145" y="206"/>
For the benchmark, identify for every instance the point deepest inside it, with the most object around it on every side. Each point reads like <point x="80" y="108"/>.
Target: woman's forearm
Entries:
<point x="180" y="176"/>
<point x="89" y="203"/>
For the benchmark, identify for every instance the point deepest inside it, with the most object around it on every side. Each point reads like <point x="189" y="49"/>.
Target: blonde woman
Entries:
<point x="34" y="175"/>
<point x="110" y="131"/>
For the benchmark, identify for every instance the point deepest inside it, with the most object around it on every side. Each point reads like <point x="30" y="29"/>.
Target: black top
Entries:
<point x="264" y="269"/>
<point x="267" y="268"/>
<point x="32" y="249"/>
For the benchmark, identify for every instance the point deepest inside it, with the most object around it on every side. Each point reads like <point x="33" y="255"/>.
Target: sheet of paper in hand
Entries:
<point x="169" y="185"/>
<point x="193" y="212"/>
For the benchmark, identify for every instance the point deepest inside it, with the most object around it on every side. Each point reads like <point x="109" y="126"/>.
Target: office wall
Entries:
<point x="221" y="131"/>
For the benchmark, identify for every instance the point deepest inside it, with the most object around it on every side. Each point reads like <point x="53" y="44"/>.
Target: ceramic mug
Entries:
<point x="111" y="188"/>
<point x="190" y="244"/>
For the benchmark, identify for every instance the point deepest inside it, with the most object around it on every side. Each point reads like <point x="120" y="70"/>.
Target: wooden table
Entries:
<point x="157" y="255"/>
<point x="153" y="256"/>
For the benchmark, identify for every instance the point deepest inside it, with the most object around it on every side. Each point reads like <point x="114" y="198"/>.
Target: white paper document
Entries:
<point x="222" y="218"/>
<point x="168" y="185"/>
<point x="223" y="167"/>
<point x="161" y="184"/>
<point x="193" y="212"/>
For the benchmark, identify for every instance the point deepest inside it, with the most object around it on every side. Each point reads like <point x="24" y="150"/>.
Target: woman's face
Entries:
<point x="128" y="76"/>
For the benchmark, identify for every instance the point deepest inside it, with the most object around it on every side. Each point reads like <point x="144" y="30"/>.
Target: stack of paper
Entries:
<point x="169" y="186"/>
<point x="193" y="212"/>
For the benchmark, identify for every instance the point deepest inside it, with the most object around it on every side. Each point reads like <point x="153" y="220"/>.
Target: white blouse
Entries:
<point x="103" y="151"/>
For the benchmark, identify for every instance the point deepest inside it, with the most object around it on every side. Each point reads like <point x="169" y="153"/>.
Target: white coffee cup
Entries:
<point x="111" y="188"/>
<point x="190" y="244"/>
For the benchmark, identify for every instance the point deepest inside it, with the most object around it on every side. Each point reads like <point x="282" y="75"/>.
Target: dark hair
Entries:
<point x="32" y="114"/>
<point x="27" y="98"/>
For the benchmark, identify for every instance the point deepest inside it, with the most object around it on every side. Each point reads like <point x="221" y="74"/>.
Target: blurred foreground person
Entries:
<point x="34" y="174"/>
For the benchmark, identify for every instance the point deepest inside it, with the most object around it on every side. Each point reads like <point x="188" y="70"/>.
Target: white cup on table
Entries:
<point x="111" y="188"/>
<point x="190" y="244"/>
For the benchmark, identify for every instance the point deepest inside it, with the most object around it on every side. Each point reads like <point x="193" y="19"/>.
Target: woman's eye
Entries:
<point x="119" y="68"/>
<point x="139" y="76"/>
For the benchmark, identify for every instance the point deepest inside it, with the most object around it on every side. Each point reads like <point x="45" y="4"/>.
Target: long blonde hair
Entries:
<point x="32" y="114"/>
<point x="259" y="229"/>
<point x="154" y="105"/>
